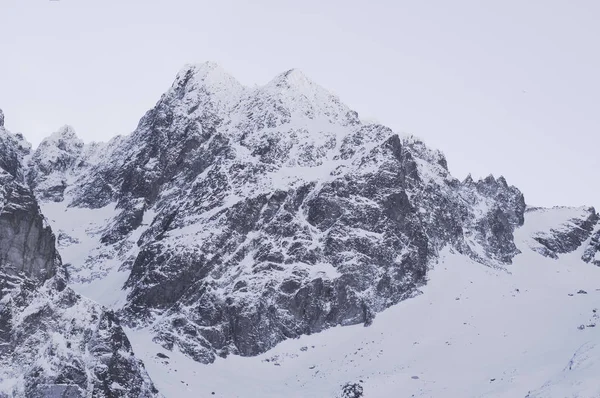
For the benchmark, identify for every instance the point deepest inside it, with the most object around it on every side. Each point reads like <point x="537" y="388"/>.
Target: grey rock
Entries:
<point x="352" y="390"/>
<point x="26" y="242"/>
<point x="569" y="235"/>
<point x="568" y="241"/>
<point x="590" y="254"/>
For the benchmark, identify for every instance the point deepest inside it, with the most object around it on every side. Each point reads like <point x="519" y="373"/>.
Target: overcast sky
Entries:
<point x="504" y="87"/>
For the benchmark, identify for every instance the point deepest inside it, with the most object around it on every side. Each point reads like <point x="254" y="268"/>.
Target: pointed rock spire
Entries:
<point x="490" y="179"/>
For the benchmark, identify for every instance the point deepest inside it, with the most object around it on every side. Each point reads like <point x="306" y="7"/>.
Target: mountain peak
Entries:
<point x="1" y="118"/>
<point x="201" y="71"/>
<point x="490" y="179"/>
<point x="293" y="78"/>
<point x="196" y="83"/>
<point x="502" y="181"/>
<point x="208" y="74"/>
<point x="63" y="139"/>
<point x="299" y="94"/>
<point x="65" y="132"/>
<point x="295" y="81"/>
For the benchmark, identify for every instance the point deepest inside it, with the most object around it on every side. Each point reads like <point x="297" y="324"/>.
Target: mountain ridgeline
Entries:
<point x="232" y="219"/>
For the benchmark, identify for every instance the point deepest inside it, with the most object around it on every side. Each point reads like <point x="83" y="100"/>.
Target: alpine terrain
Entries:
<point x="266" y="242"/>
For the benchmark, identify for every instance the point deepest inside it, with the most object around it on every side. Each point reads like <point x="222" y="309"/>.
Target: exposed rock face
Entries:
<point x="246" y="217"/>
<point x="592" y="251"/>
<point x="565" y="229"/>
<point x="53" y="342"/>
<point x="56" y="343"/>
<point x="568" y="240"/>
<point x="26" y="242"/>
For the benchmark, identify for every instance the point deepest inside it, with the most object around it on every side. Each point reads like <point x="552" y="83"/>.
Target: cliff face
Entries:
<point x="26" y="241"/>
<point x="27" y="246"/>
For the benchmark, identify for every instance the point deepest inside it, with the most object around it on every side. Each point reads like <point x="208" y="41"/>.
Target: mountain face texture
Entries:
<point x="577" y="227"/>
<point x="53" y="342"/>
<point x="271" y="213"/>
<point x="231" y="220"/>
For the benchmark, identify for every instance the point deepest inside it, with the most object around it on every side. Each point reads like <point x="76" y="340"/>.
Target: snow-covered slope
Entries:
<point x="527" y="331"/>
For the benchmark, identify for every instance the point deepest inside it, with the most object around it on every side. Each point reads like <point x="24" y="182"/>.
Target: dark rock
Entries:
<point x="590" y="254"/>
<point x="351" y="390"/>
<point x="569" y="236"/>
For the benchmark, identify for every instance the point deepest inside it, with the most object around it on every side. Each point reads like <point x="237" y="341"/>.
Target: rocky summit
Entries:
<point x="230" y="220"/>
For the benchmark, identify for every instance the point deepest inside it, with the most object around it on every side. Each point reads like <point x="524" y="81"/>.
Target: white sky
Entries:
<point x="509" y="87"/>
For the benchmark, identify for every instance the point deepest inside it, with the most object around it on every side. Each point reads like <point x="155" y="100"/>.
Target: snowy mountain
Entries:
<point x="257" y="222"/>
<point x="53" y="342"/>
